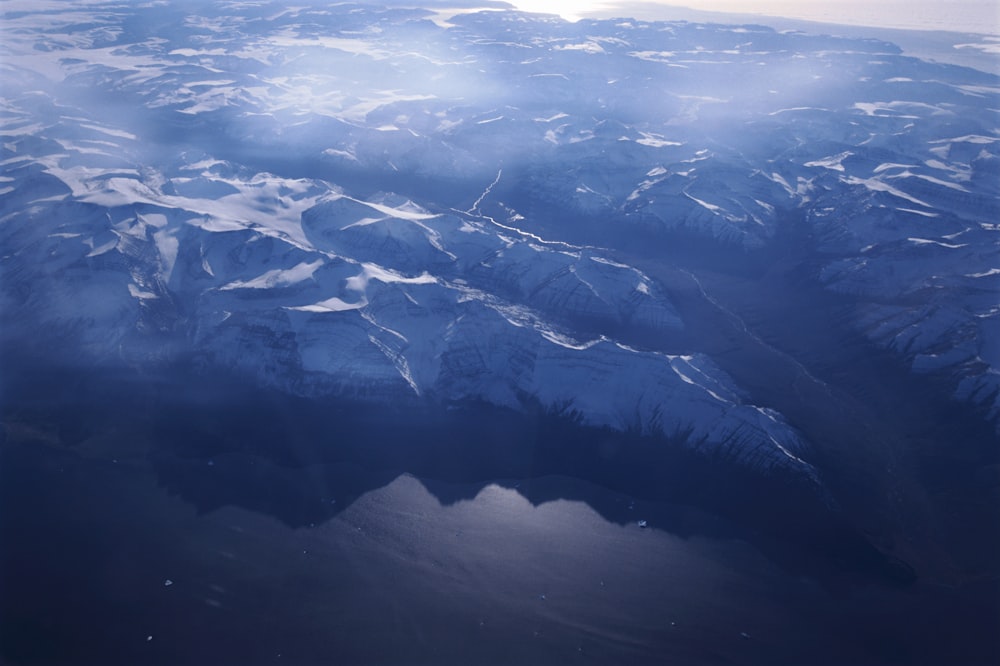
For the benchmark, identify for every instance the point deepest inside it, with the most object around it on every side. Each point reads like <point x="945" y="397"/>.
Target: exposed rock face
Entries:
<point x="361" y="201"/>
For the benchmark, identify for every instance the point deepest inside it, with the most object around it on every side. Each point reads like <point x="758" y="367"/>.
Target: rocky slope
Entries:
<point x="380" y="202"/>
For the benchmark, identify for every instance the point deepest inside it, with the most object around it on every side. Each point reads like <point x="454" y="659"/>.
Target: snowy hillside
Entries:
<point x="352" y="200"/>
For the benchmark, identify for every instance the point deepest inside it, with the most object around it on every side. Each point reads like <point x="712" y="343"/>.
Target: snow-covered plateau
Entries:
<point x="384" y="202"/>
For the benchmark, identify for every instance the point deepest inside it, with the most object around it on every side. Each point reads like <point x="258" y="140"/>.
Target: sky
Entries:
<point x="979" y="16"/>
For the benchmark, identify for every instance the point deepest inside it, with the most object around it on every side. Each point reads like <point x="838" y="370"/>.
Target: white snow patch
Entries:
<point x="992" y="271"/>
<point x="586" y="47"/>
<point x="139" y="293"/>
<point x="653" y="56"/>
<point x="566" y="341"/>
<point x="374" y="272"/>
<point x="796" y="108"/>
<point x="780" y="180"/>
<point x="928" y="241"/>
<point x="925" y="213"/>
<point x="558" y="116"/>
<point x="711" y="207"/>
<point x="609" y="262"/>
<point x="687" y="380"/>
<point x="969" y="138"/>
<point x="363" y="222"/>
<point x="656" y="140"/>
<point x="330" y="305"/>
<point x="408" y="211"/>
<point x="877" y="185"/>
<point x="930" y="179"/>
<point x="277" y="278"/>
<point x="121" y="134"/>
<point x="892" y="165"/>
<point x="833" y="163"/>
<point x="335" y="152"/>
<point x="105" y="247"/>
<point x="166" y="244"/>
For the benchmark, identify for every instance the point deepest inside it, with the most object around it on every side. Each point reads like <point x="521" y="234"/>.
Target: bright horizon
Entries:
<point x="976" y="16"/>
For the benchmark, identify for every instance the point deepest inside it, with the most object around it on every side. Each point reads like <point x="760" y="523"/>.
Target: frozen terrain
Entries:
<point x="394" y="204"/>
<point x="706" y="312"/>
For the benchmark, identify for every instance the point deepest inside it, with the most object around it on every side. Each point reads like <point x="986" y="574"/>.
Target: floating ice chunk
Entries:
<point x="643" y="523"/>
<point x="744" y="635"/>
<point x="168" y="583"/>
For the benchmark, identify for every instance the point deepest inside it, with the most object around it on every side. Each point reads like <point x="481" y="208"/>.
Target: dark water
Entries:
<point x="909" y="466"/>
<point x="306" y="535"/>
<point x="335" y="532"/>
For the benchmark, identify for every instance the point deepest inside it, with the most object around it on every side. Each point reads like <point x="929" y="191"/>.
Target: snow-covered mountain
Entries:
<point x="385" y="202"/>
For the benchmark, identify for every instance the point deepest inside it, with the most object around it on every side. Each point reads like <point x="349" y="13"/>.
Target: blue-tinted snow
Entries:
<point x="332" y="197"/>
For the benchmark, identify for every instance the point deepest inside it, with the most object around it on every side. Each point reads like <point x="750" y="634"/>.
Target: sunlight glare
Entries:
<point x="974" y="16"/>
<point x="571" y="10"/>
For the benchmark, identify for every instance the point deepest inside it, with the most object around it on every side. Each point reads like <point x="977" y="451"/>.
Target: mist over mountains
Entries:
<point x="770" y="251"/>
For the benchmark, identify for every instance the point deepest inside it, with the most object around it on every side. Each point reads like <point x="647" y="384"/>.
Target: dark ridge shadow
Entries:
<point x="214" y="442"/>
<point x="891" y="443"/>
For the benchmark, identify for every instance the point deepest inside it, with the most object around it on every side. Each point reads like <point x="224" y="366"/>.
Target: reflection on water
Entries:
<point x="398" y="576"/>
<point x="332" y="534"/>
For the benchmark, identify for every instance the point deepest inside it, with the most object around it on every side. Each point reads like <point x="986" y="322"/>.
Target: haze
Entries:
<point x="977" y="16"/>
